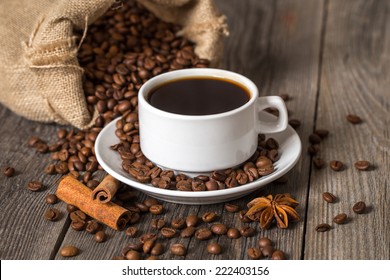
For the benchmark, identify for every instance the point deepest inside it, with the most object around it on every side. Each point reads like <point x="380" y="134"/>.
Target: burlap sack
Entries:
<point x="40" y="77"/>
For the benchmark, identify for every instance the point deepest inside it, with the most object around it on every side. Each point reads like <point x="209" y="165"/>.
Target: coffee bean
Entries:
<point x="232" y="208"/>
<point x="329" y="197"/>
<point x="148" y="245"/>
<point x="323" y="133"/>
<point x="158" y="223"/>
<point x="362" y="165"/>
<point x="50" y="169"/>
<point x="178" y="249"/>
<point x="214" y="248"/>
<point x="178" y="223"/>
<point x="233" y="233"/>
<point x="157" y="249"/>
<point x="264" y="241"/>
<point x="219" y="176"/>
<point x="247" y="231"/>
<point x="318" y="163"/>
<point x="35" y="186"/>
<point x="41" y="147"/>
<point x="52" y="214"/>
<point x="336" y="165"/>
<point x="278" y="255"/>
<point x="184" y="185"/>
<point x="9" y="171"/>
<point x="359" y="207"/>
<point x="264" y="166"/>
<point x="78" y="225"/>
<point x="131" y="231"/>
<point x="51" y="199"/>
<point x="254" y="253"/>
<point x="92" y="227"/>
<point x="203" y="234"/>
<point x="354" y="119"/>
<point x="314" y="138"/>
<point x="323" y="227"/>
<point x="267" y="251"/>
<point x="340" y="218"/>
<point x="294" y="123"/>
<point x="100" y="236"/>
<point x="243" y="217"/>
<point x="71" y="208"/>
<point x="147" y="236"/>
<point x="92" y="184"/>
<point x="313" y="149"/>
<point x="192" y="220"/>
<point x="33" y="140"/>
<point x="150" y="201"/>
<point x="69" y="251"/>
<point x="168" y="232"/>
<point x="209" y="217"/>
<point x="62" y="168"/>
<point x="78" y="215"/>
<point x="219" y="229"/>
<point x="133" y="255"/>
<point x="271" y="143"/>
<point x="187" y="232"/>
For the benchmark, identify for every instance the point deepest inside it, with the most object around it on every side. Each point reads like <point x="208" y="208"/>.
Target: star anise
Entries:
<point x="266" y="209"/>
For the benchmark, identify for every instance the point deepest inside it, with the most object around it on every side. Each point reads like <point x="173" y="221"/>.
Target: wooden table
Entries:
<point x="332" y="58"/>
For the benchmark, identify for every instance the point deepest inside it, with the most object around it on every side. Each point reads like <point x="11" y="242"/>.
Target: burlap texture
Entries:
<point x="40" y="77"/>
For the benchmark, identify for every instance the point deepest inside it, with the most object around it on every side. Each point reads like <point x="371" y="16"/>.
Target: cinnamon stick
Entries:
<point x="75" y="193"/>
<point x="106" y="190"/>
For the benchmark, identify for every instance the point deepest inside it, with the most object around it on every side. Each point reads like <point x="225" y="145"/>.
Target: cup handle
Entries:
<point x="275" y="126"/>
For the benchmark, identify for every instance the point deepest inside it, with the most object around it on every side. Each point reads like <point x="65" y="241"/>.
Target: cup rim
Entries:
<point x="196" y="72"/>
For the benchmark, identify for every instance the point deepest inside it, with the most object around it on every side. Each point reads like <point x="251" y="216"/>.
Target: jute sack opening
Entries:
<point x="40" y="77"/>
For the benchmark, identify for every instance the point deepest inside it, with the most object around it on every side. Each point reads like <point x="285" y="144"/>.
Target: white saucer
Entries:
<point x="289" y="147"/>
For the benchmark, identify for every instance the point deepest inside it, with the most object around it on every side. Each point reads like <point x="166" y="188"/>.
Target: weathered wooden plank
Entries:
<point x="24" y="233"/>
<point x="354" y="80"/>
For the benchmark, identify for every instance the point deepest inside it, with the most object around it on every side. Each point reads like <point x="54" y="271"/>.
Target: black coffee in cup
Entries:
<point x="199" y="96"/>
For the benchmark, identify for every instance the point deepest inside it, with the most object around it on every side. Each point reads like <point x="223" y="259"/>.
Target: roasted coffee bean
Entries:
<point x="78" y="225"/>
<point x="233" y="233"/>
<point x="35" y="186"/>
<point x="50" y="169"/>
<point x="219" y="229"/>
<point x="264" y="166"/>
<point x="318" y="163"/>
<point x="92" y="184"/>
<point x="271" y="143"/>
<point x="147" y="236"/>
<point x="168" y="232"/>
<point x="267" y="251"/>
<point x="148" y="245"/>
<point x="323" y="227"/>
<point x="354" y="119"/>
<point x="157" y="249"/>
<point x="135" y="217"/>
<point x="51" y="199"/>
<point x="232" y="208"/>
<point x="62" y="133"/>
<point x="33" y="140"/>
<point x="71" y="208"/>
<point x="294" y="123"/>
<point x="150" y="201"/>
<point x="340" y="218"/>
<point x="41" y="148"/>
<point x="198" y="185"/>
<point x="52" y="214"/>
<point x="314" y="138"/>
<point x="9" y="171"/>
<point x="78" y="215"/>
<point x="133" y="255"/>
<point x="231" y="182"/>
<point x="178" y="249"/>
<point x="313" y="149"/>
<point x="336" y="165"/>
<point x="131" y="231"/>
<point x="359" y="207"/>
<point x="264" y="241"/>
<point x="132" y="246"/>
<point x="184" y="185"/>
<point x="218" y="176"/>
<point x="243" y="217"/>
<point x="156" y="209"/>
<point x="100" y="236"/>
<point x="209" y="217"/>
<point x="278" y="255"/>
<point x="329" y="197"/>
<point x="62" y="168"/>
<point x="362" y="165"/>
<point x="247" y="231"/>
<point x="178" y="223"/>
<point x="211" y="185"/>
<point x="69" y="251"/>
<point x="192" y="220"/>
<point x="254" y="253"/>
<point x="323" y="133"/>
<point x="92" y="227"/>
<point x="158" y="223"/>
<point x="187" y="232"/>
<point x="203" y="234"/>
<point x="214" y="248"/>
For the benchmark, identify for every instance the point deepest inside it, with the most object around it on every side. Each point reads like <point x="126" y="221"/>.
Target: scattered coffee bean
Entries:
<point x="78" y="215"/>
<point x="313" y="149"/>
<point x="147" y="236"/>
<point x="92" y="184"/>
<point x="100" y="236"/>
<point x="264" y="241"/>
<point x="247" y="231"/>
<point x="133" y="255"/>
<point x="314" y="138"/>
<point x="203" y="234"/>
<point x="323" y="227"/>
<point x="254" y="253"/>
<point x="178" y="223"/>
<point x="232" y="208"/>
<point x="264" y="166"/>
<point x="52" y="214"/>
<point x="131" y="231"/>
<point x="329" y="197"/>
<point x="340" y="218"/>
<point x="78" y="225"/>
<point x="192" y="220"/>
<point x="69" y="251"/>
<point x="188" y="232"/>
<point x="233" y="233"/>
<point x="214" y="248"/>
<point x="35" y="186"/>
<point x="156" y="209"/>
<point x="168" y="232"/>
<point x="278" y="255"/>
<point x="219" y="229"/>
<point x="51" y="199"/>
<point x="92" y="227"/>
<point x="50" y="169"/>
<point x="71" y="208"/>
<point x="148" y="245"/>
<point x="318" y="163"/>
<point x="178" y="249"/>
<point x="157" y="249"/>
<point x="354" y="119"/>
<point x="323" y="133"/>
<point x="294" y="123"/>
<point x="362" y="165"/>
<point x="267" y="251"/>
<point x="9" y="171"/>
<point x="33" y="140"/>
<point x="150" y="202"/>
<point x="158" y="223"/>
<point x="209" y="217"/>
<point x="359" y="207"/>
<point x="336" y="165"/>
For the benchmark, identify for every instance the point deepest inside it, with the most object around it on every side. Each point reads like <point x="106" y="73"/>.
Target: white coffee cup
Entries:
<point x="209" y="142"/>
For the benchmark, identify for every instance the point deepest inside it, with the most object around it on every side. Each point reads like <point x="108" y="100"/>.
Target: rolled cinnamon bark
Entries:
<point x="106" y="190"/>
<point x="75" y="193"/>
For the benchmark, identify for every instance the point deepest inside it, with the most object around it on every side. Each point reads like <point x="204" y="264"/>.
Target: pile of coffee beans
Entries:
<point x="265" y="250"/>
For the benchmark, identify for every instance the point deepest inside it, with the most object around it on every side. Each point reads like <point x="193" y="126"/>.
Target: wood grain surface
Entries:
<point x="331" y="58"/>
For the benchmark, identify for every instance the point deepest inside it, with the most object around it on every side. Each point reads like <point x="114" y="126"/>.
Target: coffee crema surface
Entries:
<point x="199" y="96"/>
